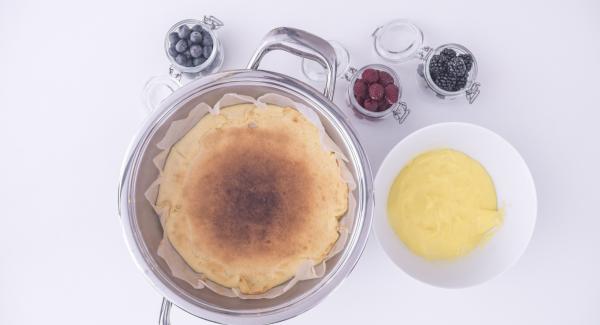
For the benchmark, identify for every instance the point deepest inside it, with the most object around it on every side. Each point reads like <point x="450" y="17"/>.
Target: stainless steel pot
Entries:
<point x="141" y="225"/>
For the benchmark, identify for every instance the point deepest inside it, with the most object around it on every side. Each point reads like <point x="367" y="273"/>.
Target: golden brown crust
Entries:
<point x="252" y="199"/>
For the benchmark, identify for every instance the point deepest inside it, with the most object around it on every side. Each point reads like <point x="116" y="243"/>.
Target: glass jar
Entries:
<point x="313" y="71"/>
<point x="400" y="40"/>
<point x="399" y="110"/>
<point x="213" y="63"/>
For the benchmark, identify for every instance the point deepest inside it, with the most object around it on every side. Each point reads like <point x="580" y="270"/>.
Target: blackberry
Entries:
<point x="446" y="82"/>
<point x="437" y="65"/>
<point x="448" y="53"/>
<point x="457" y="67"/>
<point x="460" y="83"/>
<point x="468" y="60"/>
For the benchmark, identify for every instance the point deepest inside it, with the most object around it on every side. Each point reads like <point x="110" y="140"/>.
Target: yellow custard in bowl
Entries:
<point x="443" y="204"/>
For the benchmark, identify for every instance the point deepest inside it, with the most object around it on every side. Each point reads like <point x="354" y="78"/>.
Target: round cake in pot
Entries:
<point x="251" y="194"/>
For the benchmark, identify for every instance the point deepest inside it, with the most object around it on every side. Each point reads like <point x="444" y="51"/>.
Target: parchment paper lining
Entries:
<point x="178" y="129"/>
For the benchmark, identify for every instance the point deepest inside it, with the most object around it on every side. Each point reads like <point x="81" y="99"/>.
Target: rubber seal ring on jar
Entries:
<point x="212" y="64"/>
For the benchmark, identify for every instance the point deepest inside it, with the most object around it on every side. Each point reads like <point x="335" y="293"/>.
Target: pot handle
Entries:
<point x="155" y="83"/>
<point x="302" y="44"/>
<point x="164" y="317"/>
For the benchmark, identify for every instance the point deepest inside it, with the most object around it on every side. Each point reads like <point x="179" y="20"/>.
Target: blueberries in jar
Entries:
<point x="206" y="39"/>
<point x="195" y="37"/>
<point x="173" y="37"/>
<point x="181" y="46"/>
<point x="196" y="51"/>
<point x="198" y="61"/>
<point x="172" y="51"/>
<point x="180" y="59"/>
<point x="197" y="28"/>
<point x="183" y="31"/>
<point x="206" y="51"/>
<point x="190" y="45"/>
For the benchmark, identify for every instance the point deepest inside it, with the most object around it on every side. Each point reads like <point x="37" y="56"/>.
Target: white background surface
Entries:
<point x="70" y="78"/>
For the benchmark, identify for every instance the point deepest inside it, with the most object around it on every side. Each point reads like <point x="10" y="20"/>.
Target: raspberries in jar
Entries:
<point x="376" y="90"/>
<point x="370" y="75"/>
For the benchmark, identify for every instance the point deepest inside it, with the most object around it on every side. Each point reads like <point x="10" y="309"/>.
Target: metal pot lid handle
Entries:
<point x="302" y="44"/>
<point x="165" y="313"/>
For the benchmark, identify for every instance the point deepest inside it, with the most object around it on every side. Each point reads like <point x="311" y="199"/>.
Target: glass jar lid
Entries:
<point x="398" y="40"/>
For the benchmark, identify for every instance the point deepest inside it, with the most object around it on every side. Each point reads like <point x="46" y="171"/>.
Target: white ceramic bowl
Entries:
<point x="514" y="187"/>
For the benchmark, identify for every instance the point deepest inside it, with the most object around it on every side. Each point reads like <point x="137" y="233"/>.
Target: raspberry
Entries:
<point x="370" y="76"/>
<point x="360" y="88"/>
<point x="385" y="78"/>
<point x="383" y="105"/>
<point x="376" y="91"/>
<point x="391" y="93"/>
<point x="359" y="99"/>
<point x="371" y="105"/>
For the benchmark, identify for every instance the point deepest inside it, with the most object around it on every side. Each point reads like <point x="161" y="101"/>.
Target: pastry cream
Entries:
<point x="443" y="204"/>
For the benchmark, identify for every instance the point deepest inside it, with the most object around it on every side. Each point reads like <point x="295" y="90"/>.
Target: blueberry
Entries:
<point x="187" y="55"/>
<point x="197" y="28"/>
<point x="183" y="31"/>
<point x="196" y="51"/>
<point x="207" y="40"/>
<point x="206" y="51"/>
<point x="198" y="61"/>
<point x="173" y="38"/>
<point x="188" y="63"/>
<point x="196" y="37"/>
<point x="172" y="51"/>
<point x="181" y="46"/>
<point x="189" y="43"/>
<point x="180" y="59"/>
